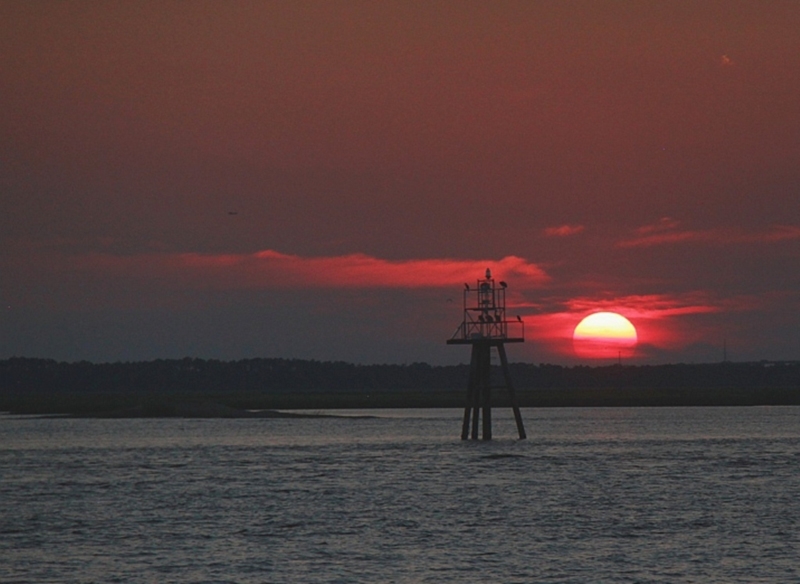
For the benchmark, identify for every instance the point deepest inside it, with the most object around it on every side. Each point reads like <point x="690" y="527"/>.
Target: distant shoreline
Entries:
<point x="83" y="405"/>
<point x="269" y="387"/>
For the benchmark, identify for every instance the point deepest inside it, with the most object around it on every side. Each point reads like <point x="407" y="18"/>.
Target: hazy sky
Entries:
<point x="319" y="179"/>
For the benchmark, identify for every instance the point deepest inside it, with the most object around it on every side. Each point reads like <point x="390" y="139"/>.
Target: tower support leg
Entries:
<point x="465" y="423"/>
<point x="477" y="396"/>
<point x="469" y="427"/>
<point x="483" y="382"/>
<point x="479" y="393"/>
<point x="507" y="375"/>
<point x="487" y="422"/>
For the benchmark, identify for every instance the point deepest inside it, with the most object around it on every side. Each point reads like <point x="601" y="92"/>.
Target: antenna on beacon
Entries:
<point x="484" y="326"/>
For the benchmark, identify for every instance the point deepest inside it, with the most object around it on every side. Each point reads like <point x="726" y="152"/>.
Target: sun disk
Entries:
<point x="604" y="335"/>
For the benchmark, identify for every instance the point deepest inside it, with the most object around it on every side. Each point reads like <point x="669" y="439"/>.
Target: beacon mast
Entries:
<point x="484" y="326"/>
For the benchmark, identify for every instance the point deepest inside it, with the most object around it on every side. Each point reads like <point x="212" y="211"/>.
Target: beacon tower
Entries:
<point x="484" y="326"/>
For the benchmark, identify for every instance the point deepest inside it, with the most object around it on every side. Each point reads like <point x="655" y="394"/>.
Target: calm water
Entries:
<point x="594" y="495"/>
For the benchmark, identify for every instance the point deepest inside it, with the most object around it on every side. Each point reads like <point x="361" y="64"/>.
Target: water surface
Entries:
<point x="605" y="494"/>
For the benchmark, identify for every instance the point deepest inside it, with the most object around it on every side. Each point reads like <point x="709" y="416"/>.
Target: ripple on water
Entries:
<point x="605" y="495"/>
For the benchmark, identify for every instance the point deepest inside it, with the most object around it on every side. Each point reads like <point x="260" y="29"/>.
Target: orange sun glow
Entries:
<point x="603" y="335"/>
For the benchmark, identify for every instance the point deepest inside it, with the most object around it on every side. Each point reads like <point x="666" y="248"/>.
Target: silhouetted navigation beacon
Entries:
<point x="485" y="326"/>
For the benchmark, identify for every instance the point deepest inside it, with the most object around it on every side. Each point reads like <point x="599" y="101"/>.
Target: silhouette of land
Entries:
<point x="259" y="387"/>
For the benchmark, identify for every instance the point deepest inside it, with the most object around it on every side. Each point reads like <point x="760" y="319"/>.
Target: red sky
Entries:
<point x="318" y="179"/>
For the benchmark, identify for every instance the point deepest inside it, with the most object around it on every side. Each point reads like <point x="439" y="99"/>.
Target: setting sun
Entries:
<point x="604" y="335"/>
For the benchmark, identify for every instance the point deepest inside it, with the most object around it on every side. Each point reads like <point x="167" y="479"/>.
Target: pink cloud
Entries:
<point x="563" y="230"/>
<point x="651" y="306"/>
<point x="666" y="232"/>
<point x="271" y="269"/>
<point x="363" y="271"/>
<point x="782" y="232"/>
<point x="663" y="224"/>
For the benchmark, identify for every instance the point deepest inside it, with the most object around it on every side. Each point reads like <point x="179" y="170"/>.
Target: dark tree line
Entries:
<point x="710" y="376"/>
<point x="211" y="375"/>
<point x="24" y="375"/>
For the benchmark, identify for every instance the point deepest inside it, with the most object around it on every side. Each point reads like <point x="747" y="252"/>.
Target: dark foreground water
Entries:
<point x="594" y="495"/>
